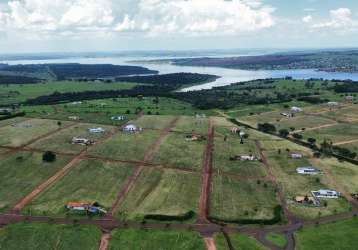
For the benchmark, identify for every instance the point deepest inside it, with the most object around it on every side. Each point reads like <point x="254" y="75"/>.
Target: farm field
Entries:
<point x="239" y="241"/>
<point x="234" y="200"/>
<point x="126" y="146"/>
<point x="345" y="114"/>
<point x="62" y="142"/>
<point x="23" y="132"/>
<point x="294" y="185"/>
<point x="12" y="121"/>
<point x="47" y="236"/>
<point x="153" y="122"/>
<point x="161" y="193"/>
<point x="188" y="124"/>
<point x="21" y="173"/>
<point x="130" y="239"/>
<point x="177" y="151"/>
<point x="332" y="236"/>
<point x="82" y="184"/>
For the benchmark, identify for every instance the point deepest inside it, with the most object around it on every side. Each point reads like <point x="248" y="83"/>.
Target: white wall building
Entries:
<point x="325" y="193"/>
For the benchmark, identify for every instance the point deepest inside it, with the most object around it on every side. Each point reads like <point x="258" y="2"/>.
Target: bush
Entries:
<point x="49" y="156"/>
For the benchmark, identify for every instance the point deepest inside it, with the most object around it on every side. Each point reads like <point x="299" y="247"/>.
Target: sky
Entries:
<point x="115" y="25"/>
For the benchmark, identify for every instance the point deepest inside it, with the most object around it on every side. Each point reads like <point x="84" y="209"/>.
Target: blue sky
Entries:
<point x="112" y="25"/>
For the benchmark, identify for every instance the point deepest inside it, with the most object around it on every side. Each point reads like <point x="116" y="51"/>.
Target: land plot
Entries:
<point x="21" y="173"/>
<point x="188" y="124"/>
<point x="131" y="239"/>
<point x="153" y="122"/>
<point x="234" y="200"/>
<point x="90" y="181"/>
<point x="165" y="192"/>
<point x="21" y="133"/>
<point x="49" y="236"/>
<point x="12" y="121"/>
<point x="126" y="146"/>
<point x="62" y="142"/>
<point x="176" y="151"/>
<point x="303" y="122"/>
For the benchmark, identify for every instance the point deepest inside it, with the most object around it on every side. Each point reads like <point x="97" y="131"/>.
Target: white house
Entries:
<point x="74" y="118"/>
<point x="296" y="156"/>
<point x="247" y="158"/>
<point x="332" y="104"/>
<point x="296" y="109"/>
<point x="5" y="111"/>
<point x="242" y="134"/>
<point x="118" y="118"/>
<point x="76" y="103"/>
<point x="131" y="128"/>
<point x="81" y="141"/>
<point x="325" y="193"/>
<point x="307" y="170"/>
<point x="286" y="114"/>
<point x="96" y="130"/>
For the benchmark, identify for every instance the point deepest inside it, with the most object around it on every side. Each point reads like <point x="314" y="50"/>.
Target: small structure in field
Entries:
<point x="296" y="110"/>
<point x="289" y="115"/>
<point x="194" y="137"/>
<point x="76" y="103"/>
<point x="350" y="98"/>
<point x="82" y="141"/>
<point x="308" y="171"/>
<point x="244" y="158"/>
<point x="326" y="194"/>
<point x="96" y="130"/>
<point x="73" y="118"/>
<point x="332" y="104"/>
<point x="307" y="201"/>
<point x="5" y="111"/>
<point x="85" y="207"/>
<point x="131" y="128"/>
<point x="118" y="118"/>
<point x="234" y="130"/>
<point x="355" y="196"/>
<point x="296" y="156"/>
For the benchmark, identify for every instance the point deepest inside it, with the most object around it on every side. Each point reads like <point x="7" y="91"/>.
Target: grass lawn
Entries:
<point x="340" y="235"/>
<point x="277" y="239"/>
<point x="131" y="239"/>
<point x="239" y="242"/>
<point x="220" y="242"/>
<point x="223" y="150"/>
<point x="153" y="122"/>
<point x="126" y="146"/>
<point x="187" y="124"/>
<point x="164" y="192"/>
<point x="90" y="181"/>
<point x="176" y="151"/>
<point x="222" y="122"/>
<point x="25" y="131"/>
<point x="21" y="173"/>
<point x="282" y="144"/>
<point x="12" y="121"/>
<point x="61" y="142"/>
<point x="334" y="133"/>
<point x="245" y="199"/>
<point x="24" y="236"/>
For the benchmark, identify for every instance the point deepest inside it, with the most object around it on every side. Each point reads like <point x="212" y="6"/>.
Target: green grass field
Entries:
<point x="187" y="124"/>
<point x="82" y="184"/>
<point x="62" y="142"/>
<point x="339" y="235"/>
<point x="12" y="121"/>
<point x="161" y="192"/>
<point x="24" y="236"/>
<point x="277" y="239"/>
<point x="245" y="199"/>
<point x="126" y="146"/>
<point x="176" y="151"/>
<point x="21" y="173"/>
<point x="21" y="92"/>
<point x="131" y="239"/>
<point x="21" y="133"/>
<point x="239" y="242"/>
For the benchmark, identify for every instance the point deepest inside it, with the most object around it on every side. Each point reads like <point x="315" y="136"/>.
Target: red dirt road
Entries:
<point x="206" y="176"/>
<point x="147" y="157"/>
<point x="209" y="243"/>
<point x="104" y="241"/>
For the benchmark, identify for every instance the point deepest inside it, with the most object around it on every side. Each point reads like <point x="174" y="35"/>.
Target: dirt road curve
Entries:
<point x="315" y="128"/>
<point x="206" y="176"/>
<point x="345" y="142"/>
<point x="133" y="178"/>
<point x="104" y="241"/>
<point x="209" y="243"/>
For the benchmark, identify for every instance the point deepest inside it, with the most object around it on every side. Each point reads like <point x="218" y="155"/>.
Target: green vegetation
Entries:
<point x="161" y="192"/>
<point x="21" y="173"/>
<point x="332" y="236"/>
<point x="82" y="184"/>
<point x="24" y="236"/>
<point x="277" y="239"/>
<point x="243" y="242"/>
<point x="131" y="239"/>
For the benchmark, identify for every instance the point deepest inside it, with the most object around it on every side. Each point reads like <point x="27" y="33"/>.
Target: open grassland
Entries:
<point x="223" y="150"/>
<point x="101" y="111"/>
<point x="294" y="184"/>
<point x="176" y="151"/>
<point x="302" y="122"/>
<point x="345" y="114"/>
<point x="188" y="124"/>
<point x="335" y="134"/>
<point x="21" y="173"/>
<point x="90" y="181"/>
<point x="126" y="146"/>
<point x="222" y="122"/>
<point x="244" y="199"/>
<point x="47" y="236"/>
<point x="153" y="122"/>
<point x="16" y="93"/>
<point x="12" y="121"/>
<point x="277" y="239"/>
<point x="21" y="133"/>
<point x="239" y="242"/>
<point x="131" y="239"/>
<point x="276" y="144"/>
<point x="338" y="235"/>
<point x="62" y="141"/>
<point x="164" y="192"/>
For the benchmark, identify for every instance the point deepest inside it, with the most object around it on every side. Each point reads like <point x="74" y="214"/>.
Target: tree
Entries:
<point x="266" y="127"/>
<point x="297" y="136"/>
<point x="284" y="133"/>
<point x="49" y="156"/>
<point x="312" y="141"/>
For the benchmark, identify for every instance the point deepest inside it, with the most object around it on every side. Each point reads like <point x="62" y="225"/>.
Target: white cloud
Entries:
<point x="307" y="19"/>
<point x="152" y="17"/>
<point x="340" y="19"/>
